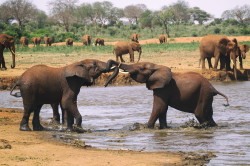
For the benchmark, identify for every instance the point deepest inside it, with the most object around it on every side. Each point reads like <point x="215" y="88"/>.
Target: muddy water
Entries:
<point x="110" y="113"/>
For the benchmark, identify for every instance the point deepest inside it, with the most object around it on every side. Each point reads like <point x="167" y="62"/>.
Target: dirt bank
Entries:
<point x="39" y="148"/>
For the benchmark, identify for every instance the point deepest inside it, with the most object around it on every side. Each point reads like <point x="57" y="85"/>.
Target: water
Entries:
<point x="110" y="112"/>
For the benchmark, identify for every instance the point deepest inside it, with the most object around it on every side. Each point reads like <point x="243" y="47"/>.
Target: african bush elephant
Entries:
<point x="24" y="41"/>
<point x="48" y="41"/>
<point x="36" y="40"/>
<point x="86" y="39"/>
<point x="7" y="41"/>
<point x="135" y="37"/>
<point x="188" y="92"/>
<point x="69" y="42"/>
<point x="217" y="46"/>
<point x="244" y="48"/>
<point x="124" y="47"/>
<point x="163" y="39"/>
<point x="47" y="85"/>
<point x="99" y="41"/>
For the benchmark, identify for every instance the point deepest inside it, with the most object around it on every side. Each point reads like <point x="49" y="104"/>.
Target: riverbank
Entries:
<point x="40" y="148"/>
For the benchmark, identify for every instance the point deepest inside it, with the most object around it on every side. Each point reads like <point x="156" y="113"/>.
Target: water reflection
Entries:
<point x="110" y="112"/>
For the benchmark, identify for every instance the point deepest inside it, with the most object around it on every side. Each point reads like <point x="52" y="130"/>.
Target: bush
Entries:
<point x="217" y="30"/>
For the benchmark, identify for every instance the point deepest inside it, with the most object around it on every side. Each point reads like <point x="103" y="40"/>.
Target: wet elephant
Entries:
<point x="188" y="92"/>
<point x="69" y="42"/>
<point x="24" y="41"/>
<point x="7" y="41"/>
<point x="124" y="47"/>
<point x="86" y="39"/>
<point x="41" y="85"/>
<point x="163" y="39"/>
<point x="219" y="47"/>
<point x="36" y="40"/>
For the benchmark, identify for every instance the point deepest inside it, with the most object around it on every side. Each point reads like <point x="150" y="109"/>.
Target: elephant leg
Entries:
<point x="24" y="125"/>
<point x="209" y="63"/>
<point x="222" y="62"/>
<point x="122" y="60"/>
<point x="36" y="120"/>
<point x="56" y="115"/>
<point x="3" y="63"/>
<point x="204" y="112"/>
<point x="163" y="119"/>
<point x="70" y="121"/>
<point x="241" y="64"/>
<point x="159" y="108"/>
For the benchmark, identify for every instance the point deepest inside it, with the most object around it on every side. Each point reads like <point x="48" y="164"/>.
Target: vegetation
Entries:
<point x="102" y="19"/>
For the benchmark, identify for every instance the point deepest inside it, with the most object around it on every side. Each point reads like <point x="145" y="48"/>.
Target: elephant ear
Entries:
<point x="76" y="69"/>
<point x="160" y="78"/>
<point x="223" y="44"/>
<point x="245" y="47"/>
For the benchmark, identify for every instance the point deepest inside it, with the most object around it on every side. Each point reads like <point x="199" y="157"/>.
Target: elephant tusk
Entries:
<point x="12" y="52"/>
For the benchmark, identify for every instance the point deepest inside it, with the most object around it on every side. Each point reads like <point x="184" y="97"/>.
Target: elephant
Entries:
<point x="7" y="41"/>
<point x="42" y="84"/>
<point x="69" y="42"/>
<point x="135" y="37"/>
<point x="244" y="48"/>
<point x="48" y="41"/>
<point x="163" y="39"/>
<point x="124" y="47"/>
<point x="86" y="39"/>
<point x="99" y="41"/>
<point x="217" y="46"/>
<point x="188" y="92"/>
<point x="36" y="40"/>
<point x="24" y="41"/>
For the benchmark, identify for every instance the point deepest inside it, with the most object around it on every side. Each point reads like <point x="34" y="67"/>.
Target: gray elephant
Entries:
<point x="69" y="42"/>
<point x="124" y="47"/>
<point x="244" y="48"/>
<point x="219" y="47"/>
<point x="187" y="92"/>
<point x="135" y="37"/>
<point x="41" y="85"/>
<point x="24" y="41"/>
<point x="7" y="41"/>
<point x="48" y="41"/>
<point x="36" y="41"/>
<point x="86" y="39"/>
<point x="99" y="41"/>
<point x="162" y="39"/>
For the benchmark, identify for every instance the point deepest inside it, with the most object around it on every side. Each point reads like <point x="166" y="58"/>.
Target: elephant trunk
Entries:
<point x="140" y="51"/>
<point x="12" y="50"/>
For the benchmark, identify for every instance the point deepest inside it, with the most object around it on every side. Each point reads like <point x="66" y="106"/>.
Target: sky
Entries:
<point x="213" y="7"/>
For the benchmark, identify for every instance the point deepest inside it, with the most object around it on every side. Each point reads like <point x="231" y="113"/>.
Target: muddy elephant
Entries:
<point x="124" y="47"/>
<point x="36" y="41"/>
<point x="162" y="39"/>
<point x="24" y="41"/>
<point x="69" y="42"/>
<point x="135" y="37"/>
<point x="188" y="92"/>
<point x="244" y="48"/>
<point x="219" y="47"/>
<point x="48" y="41"/>
<point x="41" y="85"/>
<point x="99" y="41"/>
<point x="7" y="41"/>
<point x="86" y="39"/>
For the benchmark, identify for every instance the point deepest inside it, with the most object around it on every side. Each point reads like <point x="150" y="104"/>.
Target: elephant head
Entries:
<point x="134" y="37"/>
<point x="88" y="70"/>
<point x="244" y="48"/>
<point x="136" y="47"/>
<point x="155" y="76"/>
<point x="8" y="42"/>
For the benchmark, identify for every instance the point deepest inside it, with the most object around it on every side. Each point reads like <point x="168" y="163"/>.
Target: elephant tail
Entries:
<point x="17" y="94"/>
<point x="219" y="93"/>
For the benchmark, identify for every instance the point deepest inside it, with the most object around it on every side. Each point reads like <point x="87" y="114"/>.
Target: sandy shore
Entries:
<point x="40" y="148"/>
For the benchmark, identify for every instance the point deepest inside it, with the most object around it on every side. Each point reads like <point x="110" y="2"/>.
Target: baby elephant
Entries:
<point x="188" y="92"/>
<point x="41" y="85"/>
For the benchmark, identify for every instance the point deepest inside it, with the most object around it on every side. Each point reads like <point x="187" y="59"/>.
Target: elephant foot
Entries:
<point x="3" y="68"/>
<point x="38" y="128"/>
<point x="163" y="127"/>
<point x="150" y="126"/>
<point x="78" y="129"/>
<point x="24" y="128"/>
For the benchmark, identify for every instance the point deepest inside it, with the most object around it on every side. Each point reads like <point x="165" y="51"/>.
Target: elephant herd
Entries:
<point x="188" y="92"/>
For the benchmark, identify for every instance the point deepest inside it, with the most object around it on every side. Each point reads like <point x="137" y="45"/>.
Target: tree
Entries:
<point x="180" y="12"/>
<point x="5" y="15"/>
<point x="133" y="12"/>
<point x="63" y="11"/>
<point x="199" y="15"/>
<point x="146" y="19"/>
<point x="241" y="14"/>
<point x="21" y="10"/>
<point x="164" y="16"/>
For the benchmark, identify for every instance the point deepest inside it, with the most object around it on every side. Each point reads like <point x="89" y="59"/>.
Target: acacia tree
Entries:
<point x="20" y="10"/>
<point x="133" y="12"/>
<point x="241" y="14"/>
<point x="146" y="19"/>
<point x="199" y="15"/>
<point x="63" y="12"/>
<point x="180" y="12"/>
